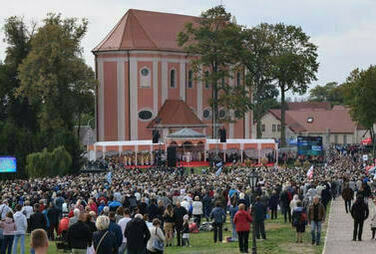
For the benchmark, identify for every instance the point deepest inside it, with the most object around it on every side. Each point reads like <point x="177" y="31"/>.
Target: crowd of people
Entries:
<point x="146" y="211"/>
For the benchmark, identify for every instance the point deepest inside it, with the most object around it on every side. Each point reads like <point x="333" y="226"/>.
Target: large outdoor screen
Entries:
<point x="8" y="164"/>
<point x="310" y="146"/>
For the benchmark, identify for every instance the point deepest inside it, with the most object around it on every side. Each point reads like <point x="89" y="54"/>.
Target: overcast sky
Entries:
<point x="344" y="30"/>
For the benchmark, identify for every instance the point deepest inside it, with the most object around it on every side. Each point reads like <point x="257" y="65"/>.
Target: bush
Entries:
<point x="57" y="162"/>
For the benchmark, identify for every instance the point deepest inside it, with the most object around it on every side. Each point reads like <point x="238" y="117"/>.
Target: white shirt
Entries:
<point x="123" y="224"/>
<point x="197" y="208"/>
<point x="185" y="204"/>
<point x="27" y="210"/>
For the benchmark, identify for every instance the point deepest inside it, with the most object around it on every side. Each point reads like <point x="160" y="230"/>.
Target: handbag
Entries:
<point x="157" y="243"/>
<point x="100" y="241"/>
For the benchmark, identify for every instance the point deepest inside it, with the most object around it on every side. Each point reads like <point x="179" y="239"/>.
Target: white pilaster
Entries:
<point x="246" y="124"/>
<point x="231" y="125"/>
<point x="182" y="80"/>
<point x="100" y="100"/>
<point x="199" y="99"/>
<point x="133" y="98"/>
<point x="155" y="86"/>
<point x="120" y="99"/>
<point x="164" y="80"/>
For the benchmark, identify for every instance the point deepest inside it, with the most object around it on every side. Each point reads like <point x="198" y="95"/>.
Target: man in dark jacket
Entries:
<point x="273" y="205"/>
<point x="137" y="234"/>
<point x="347" y="195"/>
<point x="218" y="216"/>
<point x="359" y="212"/>
<point x="116" y="230"/>
<point x="258" y="214"/>
<point x="79" y="236"/>
<point x="285" y="199"/>
<point x="37" y="220"/>
<point x="316" y="216"/>
<point x="53" y="218"/>
<point x="179" y="213"/>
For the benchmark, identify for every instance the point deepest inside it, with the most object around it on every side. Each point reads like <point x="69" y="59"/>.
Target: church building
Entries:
<point x="146" y="82"/>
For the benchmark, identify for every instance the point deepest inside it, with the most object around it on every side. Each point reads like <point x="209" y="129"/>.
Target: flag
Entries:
<point x="219" y="165"/>
<point x="219" y="171"/>
<point x="109" y="177"/>
<point x="310" y="172"/>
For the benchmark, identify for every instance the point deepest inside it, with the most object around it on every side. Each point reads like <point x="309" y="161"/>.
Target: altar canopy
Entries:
<point x="190" y="146"/>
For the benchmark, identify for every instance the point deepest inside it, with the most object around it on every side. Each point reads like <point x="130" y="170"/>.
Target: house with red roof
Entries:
<point x="314" y="119"/>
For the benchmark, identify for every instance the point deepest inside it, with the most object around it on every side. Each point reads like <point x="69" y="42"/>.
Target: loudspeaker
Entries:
<point x="156" y="136"/>
<point x="171" y="156"/>
<point x="222" y="135"/>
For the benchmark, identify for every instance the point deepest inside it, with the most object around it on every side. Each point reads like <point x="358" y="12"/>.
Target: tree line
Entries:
<point x="276" y="59"/>
<point x="46" y="91"/>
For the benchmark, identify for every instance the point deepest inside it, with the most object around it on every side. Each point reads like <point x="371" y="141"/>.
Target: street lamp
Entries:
<point x="253" y="181"/>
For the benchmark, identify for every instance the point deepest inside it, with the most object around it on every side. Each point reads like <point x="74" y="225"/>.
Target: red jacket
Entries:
<point x="242" y="221"/>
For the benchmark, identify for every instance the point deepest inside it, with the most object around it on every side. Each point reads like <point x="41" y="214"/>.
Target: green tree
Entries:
<point x="216" y="40"/>
<point x="256" y="56"/>
<point x="359" y="93"/>
<point x="18" y="37"/>
<point x="55" y="76"/>
<point x="331" y="92"/>
<point x="294" y="64"/>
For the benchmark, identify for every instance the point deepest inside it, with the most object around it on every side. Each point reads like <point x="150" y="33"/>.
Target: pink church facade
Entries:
<point x="139" y="66"/>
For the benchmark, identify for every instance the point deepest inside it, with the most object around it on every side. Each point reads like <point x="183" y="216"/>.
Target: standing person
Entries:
<point x="21" y="228"/>
<point x="186" y="231"/>
<point x="359" y="212"/>
<point x="103" y="240"/>
<point x="123" y="224"/>
<point x="347" y="195"/>
<point x="373" y="225"/>
<point x="316" y="216"/>
<point x="53" y="218"/>
<point x="299" y="221"/>
<point x="79" y="236"/>
<point x="27" y="210"/>
<point x="197" y="211"/>
<point x="4" y="209"/>
<point x="218" y="216"/>
<point x="242" y="221"/>
<point x="156" y="234"/>
<point x="259" y="214"/>
<point x="273" y="205"/>
<point x="169" y="218"/>
<point x="37" y="219"/>
<point x="179" y="213"/>
<point x="9" y="228"/>
<point x="207" y="205"/>
<point x="285" y="204"/>
<point x="137" y="234"/>
<point x="116" y="230"/>
<point x="233" y="209"/>
<point x="39" y="241"/>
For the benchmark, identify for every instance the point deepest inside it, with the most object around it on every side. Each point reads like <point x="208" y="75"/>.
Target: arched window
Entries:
<point x="238" y="78"/>
<point x="145" y="77"/>
<point x="190" y="79"/>
<point x="206" y="79"/>
<point x="172" y="78"/>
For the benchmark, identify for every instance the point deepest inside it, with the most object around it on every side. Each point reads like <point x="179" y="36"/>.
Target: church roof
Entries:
<point x="176" y="113"/>
<point x="186" y="133"/>
<point x="145" y="30"/>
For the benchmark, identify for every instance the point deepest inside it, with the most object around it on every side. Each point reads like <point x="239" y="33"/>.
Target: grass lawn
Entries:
<point x="280" y="240"/>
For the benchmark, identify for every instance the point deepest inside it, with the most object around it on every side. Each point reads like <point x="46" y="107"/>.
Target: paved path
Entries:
<point x="340" y="229"/>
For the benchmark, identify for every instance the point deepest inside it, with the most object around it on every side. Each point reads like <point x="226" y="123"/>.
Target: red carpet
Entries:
<point x="196" y="164"/>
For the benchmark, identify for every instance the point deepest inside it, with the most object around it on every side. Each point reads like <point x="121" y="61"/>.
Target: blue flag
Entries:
<point x="109" y="177"/>
<point x="219" y="171"/>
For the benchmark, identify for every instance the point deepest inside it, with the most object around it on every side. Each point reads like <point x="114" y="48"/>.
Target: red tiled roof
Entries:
<point x="176" y="113"/>
<point x="308" y="105"/>
<point x="145" y="30"/>
<point x="337" y="120"/>
<point x="290" y="122"/>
